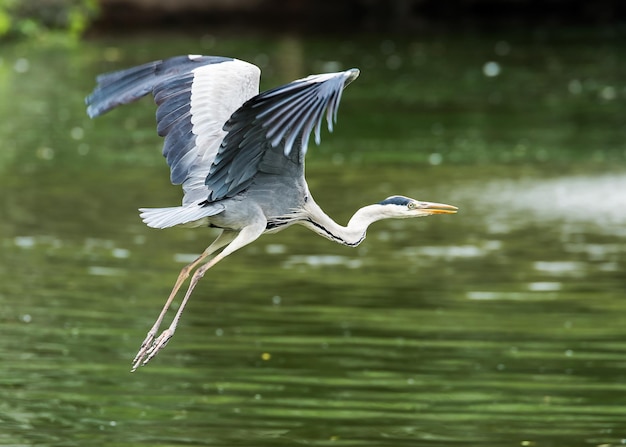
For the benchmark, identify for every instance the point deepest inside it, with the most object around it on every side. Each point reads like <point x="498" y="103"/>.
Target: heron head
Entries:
<point x="404" y="207"/>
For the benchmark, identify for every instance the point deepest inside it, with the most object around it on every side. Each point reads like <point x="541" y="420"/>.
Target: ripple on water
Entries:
<point x="453" y="251"/>
<point x="32" y="241"/>
<point x="322" y="261"/>
<point x="98" y="270"/>
<point x="545" y="286"/>
<point x="487" y="295"/>
<point x="561" y="268"/>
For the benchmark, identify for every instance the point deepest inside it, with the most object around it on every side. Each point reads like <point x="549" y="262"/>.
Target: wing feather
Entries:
<point x="219" y="133"/>
<point x="278" y="119"/>
<point x="195" y="95"/>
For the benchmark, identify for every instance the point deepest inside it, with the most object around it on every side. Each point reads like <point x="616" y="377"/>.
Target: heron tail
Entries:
<point x="192" y="215"/>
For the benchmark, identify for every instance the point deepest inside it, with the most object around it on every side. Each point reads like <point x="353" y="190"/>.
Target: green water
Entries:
<point x="503" y="325"/>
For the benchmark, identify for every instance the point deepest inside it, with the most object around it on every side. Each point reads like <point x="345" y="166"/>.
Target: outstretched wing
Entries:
<point x="272" y="129"/>
<point x="195" y="96"/>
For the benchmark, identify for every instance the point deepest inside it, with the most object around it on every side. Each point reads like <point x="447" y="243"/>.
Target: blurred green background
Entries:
<point x="502" y="325"/>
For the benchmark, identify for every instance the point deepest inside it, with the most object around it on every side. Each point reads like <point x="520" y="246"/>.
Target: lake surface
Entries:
<point x="503" y="325"/>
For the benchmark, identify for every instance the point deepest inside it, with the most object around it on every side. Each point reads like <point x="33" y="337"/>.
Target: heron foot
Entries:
<point x="145" y="345"/>
<point x="146" y="354"/>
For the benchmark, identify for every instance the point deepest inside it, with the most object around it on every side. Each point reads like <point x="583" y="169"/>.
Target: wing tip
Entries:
<point x="92" y="112"/>
<point x="351" y="75"/>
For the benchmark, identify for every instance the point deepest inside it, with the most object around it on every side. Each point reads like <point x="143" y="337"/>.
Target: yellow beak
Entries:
<point x="437" y="208"/>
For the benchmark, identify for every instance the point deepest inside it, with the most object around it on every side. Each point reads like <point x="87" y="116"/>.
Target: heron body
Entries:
<point x="239" y="156"/>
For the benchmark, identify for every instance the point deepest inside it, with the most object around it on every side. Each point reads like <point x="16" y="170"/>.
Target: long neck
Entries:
<point x="351" y="235"/>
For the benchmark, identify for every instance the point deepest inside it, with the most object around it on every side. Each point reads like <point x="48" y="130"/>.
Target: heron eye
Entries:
<point x="412" y="205"/>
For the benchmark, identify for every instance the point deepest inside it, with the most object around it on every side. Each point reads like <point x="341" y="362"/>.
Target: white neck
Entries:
<point x="351" y="235"/>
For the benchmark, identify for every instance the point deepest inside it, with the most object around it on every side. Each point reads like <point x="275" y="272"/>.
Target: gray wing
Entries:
<point x="272" y="130"/>
<point x="195" y="96"/>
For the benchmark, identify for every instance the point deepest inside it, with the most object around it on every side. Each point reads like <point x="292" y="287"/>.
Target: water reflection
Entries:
<point x="574" y="203"/>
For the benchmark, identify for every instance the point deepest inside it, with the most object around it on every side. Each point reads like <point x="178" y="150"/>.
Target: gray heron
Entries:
<point x="239" y="156"/>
